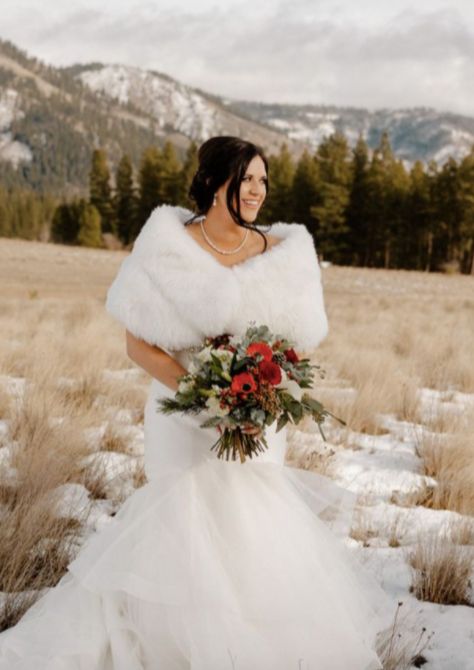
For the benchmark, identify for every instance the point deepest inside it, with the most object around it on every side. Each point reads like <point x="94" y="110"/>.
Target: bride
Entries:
<point x="212" y="564"/>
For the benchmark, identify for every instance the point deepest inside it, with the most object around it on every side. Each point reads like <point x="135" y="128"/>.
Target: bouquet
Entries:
<point x="249" y="380"/>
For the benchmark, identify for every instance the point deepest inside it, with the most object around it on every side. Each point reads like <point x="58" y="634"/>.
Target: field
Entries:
<point x="399" y="362"/>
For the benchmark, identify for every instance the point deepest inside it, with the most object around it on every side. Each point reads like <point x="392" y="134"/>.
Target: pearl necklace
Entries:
<point x="223" y="251"/>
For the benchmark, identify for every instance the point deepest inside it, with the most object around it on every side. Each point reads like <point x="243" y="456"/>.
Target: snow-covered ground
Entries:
<point x="376" y="467"/>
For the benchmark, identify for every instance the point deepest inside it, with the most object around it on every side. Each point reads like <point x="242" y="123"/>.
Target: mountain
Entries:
<point x="51" y="119"/>
<point x="419" y="133"/>
<point x="176" y="107"/>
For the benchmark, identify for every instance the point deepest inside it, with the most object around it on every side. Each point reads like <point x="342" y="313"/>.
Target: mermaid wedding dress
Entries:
<point x="212" y="564"/>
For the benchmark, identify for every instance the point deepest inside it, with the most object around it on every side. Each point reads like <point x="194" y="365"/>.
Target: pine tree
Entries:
<point x="100" y="191"/>
<point x="65" y="224"/>
<point x="186" y="175"/>
<point x="388" y="184"/>
<point x="89" y="226"/>
<point x="150" y="184"/>
<point x="335" y="178"/>
<point x="357" y="211"/>
<point x="125" y="201"/>
<point x="417" y="241"/>
<point x="170" y="175"/>
<point x="278" y="204"/>
<point x="305" y="190"/>
<point x="398" y="188"/>
<point x="448" y="206"/>
<point x="466" y="186"/>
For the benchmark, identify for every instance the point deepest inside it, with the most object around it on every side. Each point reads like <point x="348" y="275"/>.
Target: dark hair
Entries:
<point x="219" y="158"/>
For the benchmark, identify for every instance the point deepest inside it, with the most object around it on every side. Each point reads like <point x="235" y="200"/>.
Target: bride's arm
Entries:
<point x="158" y="363"/>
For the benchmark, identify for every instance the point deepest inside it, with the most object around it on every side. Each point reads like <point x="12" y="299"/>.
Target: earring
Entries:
<point x="215" y="200"/>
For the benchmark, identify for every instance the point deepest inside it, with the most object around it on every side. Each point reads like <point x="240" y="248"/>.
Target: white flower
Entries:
<point x="185" y="386"/>
<point x="234" y="340"/>
<point x="205" y="354"/>
<point x="193" y="368"/>
<point x="293" y="388"/>
<point x="225" y="358"/>
<point x="284" y="378"/>
<point x="223" y="354"/>
<point x="214" y="407"/>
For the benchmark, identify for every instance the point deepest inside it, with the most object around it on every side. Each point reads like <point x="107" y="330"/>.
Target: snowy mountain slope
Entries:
<point x="178" y="107"/>
<point x="417" y="133"/>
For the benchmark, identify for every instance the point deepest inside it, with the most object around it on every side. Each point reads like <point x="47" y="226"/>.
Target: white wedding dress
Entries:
<point x="211" y="565"/>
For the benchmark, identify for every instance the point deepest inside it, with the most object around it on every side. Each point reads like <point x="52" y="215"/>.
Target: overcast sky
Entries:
<point x="363" y="53"/>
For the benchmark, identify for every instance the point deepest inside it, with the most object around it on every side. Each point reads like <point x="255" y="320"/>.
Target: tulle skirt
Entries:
<point x="211" y="565"/>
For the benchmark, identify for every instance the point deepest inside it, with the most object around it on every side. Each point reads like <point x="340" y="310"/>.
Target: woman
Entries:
<point x="212" y="564"/>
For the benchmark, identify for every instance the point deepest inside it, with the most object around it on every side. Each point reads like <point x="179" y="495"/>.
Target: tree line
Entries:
<point x="363" y="208"/>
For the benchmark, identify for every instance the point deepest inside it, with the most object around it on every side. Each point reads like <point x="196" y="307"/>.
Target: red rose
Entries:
<point x="291" y="355"/>
<point x="243" y="383"/>
<point x="270" y="371"/>
<point x="260" y="348"/>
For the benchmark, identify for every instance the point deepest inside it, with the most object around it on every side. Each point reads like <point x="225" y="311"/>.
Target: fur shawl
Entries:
<point x="171" y="292"/>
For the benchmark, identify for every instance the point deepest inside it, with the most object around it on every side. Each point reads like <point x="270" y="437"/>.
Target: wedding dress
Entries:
<point x="212" y="564"/>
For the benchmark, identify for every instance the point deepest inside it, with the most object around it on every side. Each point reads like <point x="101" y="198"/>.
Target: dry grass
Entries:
<point x="37" y="544"/>
<point x="396" y="531"/>
<point x="129" y="395"/>
<point x="441" y="570"/>
<point x="401" y="647"/>
<point x="449" y="459"/>
<point x="113" y="440"/>
<point x="309" y="459"/>
<point x="462" y="531"/>
<point x="5" y="404"/>
<point x="362" y="530"/>
<point x="392" y="332"/>
<point x="56" y="336"/>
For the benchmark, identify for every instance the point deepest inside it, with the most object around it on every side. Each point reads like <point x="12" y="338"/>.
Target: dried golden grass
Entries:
<point x="449" y="459"/>
<point x="362" y="530"/>
<point x="130" y="395"/>
<point x="462" y="531"/>
<point x="5" y="404"/>
<point x="441" y="570"/>
<point x="113" y="440"/>
<point x="401" y="646"/>
<point x="45" y="457"/>
<point x="308" y="460"/>
<point x="37" y="545"/>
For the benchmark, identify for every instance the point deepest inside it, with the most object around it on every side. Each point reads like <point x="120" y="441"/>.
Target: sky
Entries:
<point x="359" y="53"/>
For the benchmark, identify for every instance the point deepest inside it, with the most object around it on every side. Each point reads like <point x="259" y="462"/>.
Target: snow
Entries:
<point x="379" y="466"/>
<point x="10" y="149"/>
<point x="169" y="102"/>
<point x="15" y="386"/>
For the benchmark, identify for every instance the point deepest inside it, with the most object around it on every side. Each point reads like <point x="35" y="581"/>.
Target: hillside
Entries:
<point x="52" y="118"/>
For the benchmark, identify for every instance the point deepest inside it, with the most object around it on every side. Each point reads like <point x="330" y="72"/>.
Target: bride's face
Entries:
<point x="252" y="190"/>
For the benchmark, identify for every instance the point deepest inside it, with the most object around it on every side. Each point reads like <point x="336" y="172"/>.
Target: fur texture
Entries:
<point x="172" y="293"/>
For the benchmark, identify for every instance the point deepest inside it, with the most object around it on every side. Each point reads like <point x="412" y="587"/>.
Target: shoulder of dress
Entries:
<point x="162" y="230"/>
<point x="298" y="242"/>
